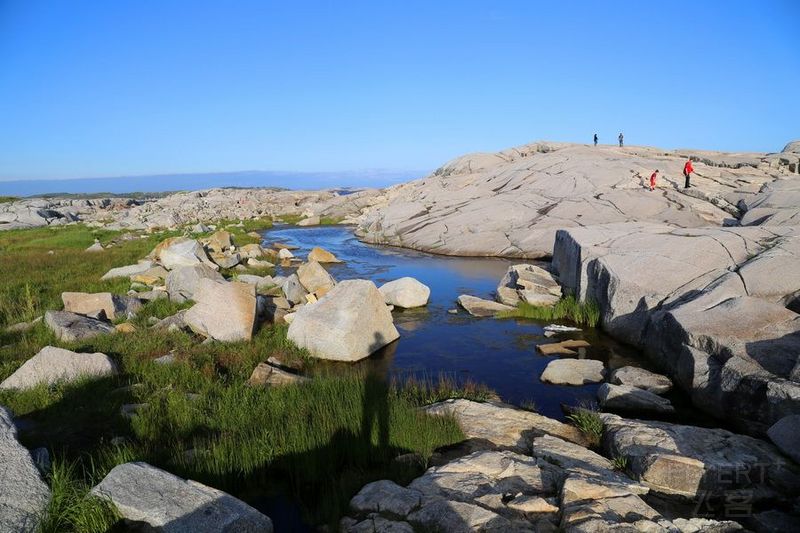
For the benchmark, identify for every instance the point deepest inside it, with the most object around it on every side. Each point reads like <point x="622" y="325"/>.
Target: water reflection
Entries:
<point x="500" y="353"/>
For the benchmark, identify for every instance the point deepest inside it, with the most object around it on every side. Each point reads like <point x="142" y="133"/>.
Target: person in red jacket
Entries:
<point x="653" y="177"/>
<point x="687" y="172"/>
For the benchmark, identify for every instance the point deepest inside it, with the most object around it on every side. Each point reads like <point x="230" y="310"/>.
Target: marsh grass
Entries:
<point x="589" y="423"/>
<point x="569" y="308"/>
<point x="318" y="442"/>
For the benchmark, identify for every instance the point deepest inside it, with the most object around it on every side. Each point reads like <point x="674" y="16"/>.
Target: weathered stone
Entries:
<point x="457" y="517"/>
<point x="180" y="252"/>
<point x="566" y="347"/>
<point x="51" y="365"/>
<point x="175" y="322"/>
<point x="182" y="282"/>
<point x="386" y="497"/>
<point x="251" y="251"/>
<point x="349" y="324"/>
<point x="152" y="276"/>
<point x="267" y="375"/>
<point x="785" y="434"/>
<point x="294" y="290"/>
<point x="96" y="247"/>
<point x="225" y="311"/>
<point x="226" y="260"/>
<point x="532" y="505"/>
<point x="258" y="263"/>
<point x="144" y="494"/>
<point x="321" y="255"/>
<point x="480" y="307"/>
<point x="641" y="379"/>
<point x="23" y="494"/>
<point x="114" y="306"/>
<point x="314" y="277"/>
<point x="125" y="327"/>
<point x="405" y="292"/>
<point x="72" y="327"/>
<point x="573" y="372"/>
<point x="220" y="241"/>
<point x="284" y="253"/>
<point x="127" y="271"/>
<point x="375" y="523"/>
<point x="627" y="398"/>
<point x="504" y="426"/>
<point x="689" y="461"/>
<point x="309" y="221"/>
<point x="705" y="525"/>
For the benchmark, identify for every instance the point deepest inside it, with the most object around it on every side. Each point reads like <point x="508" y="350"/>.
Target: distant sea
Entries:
<point x="185" y="182"/>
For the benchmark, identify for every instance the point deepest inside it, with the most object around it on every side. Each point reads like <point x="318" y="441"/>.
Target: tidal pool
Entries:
<point x="500" y="353"/>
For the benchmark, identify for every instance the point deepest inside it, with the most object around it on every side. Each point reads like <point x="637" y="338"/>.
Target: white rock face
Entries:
<point x="143" y="493"/>
<point x="182" y="282"/>
<point x="511" y="203"/>
<point x="23" y="494"/>
<point x="53" y="364"/>
<point x="349" y="324"/>
<point x="573" y="372"/>
<point x="405" y="292"/>
<point x="225" y="311"/>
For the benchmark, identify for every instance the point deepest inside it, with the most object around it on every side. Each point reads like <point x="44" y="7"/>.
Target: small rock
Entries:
<point x="72" y="327"/>
<point x="480" y="307"/>
<point x="641" y="379"/>
<point x="96" y="247"/>
<point x="114" y="306"/>
<point x="125" y="327"/>
<point x="225" y="260"/>
<point x="128" y="271"/>
<point x="557" y="328"/>
<point x="167" y="359"/>
<point x="284" y="253"/>
<point x="405" y="292"/>
<point x="258" y="263"/>
<point x="266" y="375"/>
<point x="573" y="372"/>
<point x="320" y="255"/>
<point x="562" y="348"/>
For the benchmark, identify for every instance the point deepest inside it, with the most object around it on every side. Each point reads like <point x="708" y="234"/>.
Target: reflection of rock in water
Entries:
<point x="474" y="268"/>
<point x="411" y="319"/>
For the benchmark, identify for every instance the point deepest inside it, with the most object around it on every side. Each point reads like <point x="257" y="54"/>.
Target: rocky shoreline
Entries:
<point x="704" y="281"/>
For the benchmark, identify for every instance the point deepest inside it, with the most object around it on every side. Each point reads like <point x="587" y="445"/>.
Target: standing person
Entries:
<point x="595" y="139"/>
<point x="620" y="139"/>
<point x="687" y="173"/>
<point x="653" y="177"/>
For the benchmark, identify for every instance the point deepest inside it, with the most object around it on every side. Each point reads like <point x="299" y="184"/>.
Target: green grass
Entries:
<point x="317" y="442"/>
<point x="589" y="423"/>
<point x="7" y="199"/>
<point x="568" y="308"/>
<point x="323" y="221"/>
<point x="620" y="463"/>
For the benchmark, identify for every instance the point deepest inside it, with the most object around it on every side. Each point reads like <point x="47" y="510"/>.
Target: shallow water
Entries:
<point x="500" y="353"/>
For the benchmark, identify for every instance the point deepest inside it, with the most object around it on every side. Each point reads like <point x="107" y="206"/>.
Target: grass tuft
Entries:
<point x="589" y="423"/>
<point x="569" y="308"/>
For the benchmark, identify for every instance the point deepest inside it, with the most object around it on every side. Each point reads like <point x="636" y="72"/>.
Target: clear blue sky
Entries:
<point x="104" y="88"/>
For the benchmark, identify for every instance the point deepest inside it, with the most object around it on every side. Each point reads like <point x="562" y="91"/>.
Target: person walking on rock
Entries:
<point x="653" y="177"/>
<point x="620" y="139"/>
<point x="595" y="139"/>
<point x="687" y="173"/>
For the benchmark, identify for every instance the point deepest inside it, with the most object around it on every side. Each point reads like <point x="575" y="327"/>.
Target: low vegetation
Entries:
<point x="6" y="199"/>
<point x="589" y="423"/>
<point x="568" y="308"/>
<point x="318" y="442"/>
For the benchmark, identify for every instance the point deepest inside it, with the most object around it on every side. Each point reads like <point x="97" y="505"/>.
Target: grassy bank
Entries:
<point x="317" y="442"/>
<point x="568" y="308"/>
<point x="323" y="221"/>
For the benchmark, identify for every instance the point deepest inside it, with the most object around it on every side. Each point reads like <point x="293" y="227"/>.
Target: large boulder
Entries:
<point x="114" y="306"/>
<point x="321" y="255"/>
<point x="220" y="241"/>
<point x="315" y="278"/>
<point x="180" y="251"/>
<point x="573" y="372"/>
<point x="785" y="434"/>
<point x="225" y="311"/>
<point x="529" y="283"/>
<point x="349" y="324"/>
<point x="143" y="494"/>
<point x="689" y="461"/>
<point x="23" y="494"/>
<point x="294" y="290"/>
<point x="182" y="282"/>
<point x="405" y="292"/>
<point x="52" y="365"/>
<point x="503" y="426"/>
<point x="72" y="327"/>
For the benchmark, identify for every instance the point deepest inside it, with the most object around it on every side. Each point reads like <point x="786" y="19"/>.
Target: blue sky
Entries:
<point x="92" y="89"/>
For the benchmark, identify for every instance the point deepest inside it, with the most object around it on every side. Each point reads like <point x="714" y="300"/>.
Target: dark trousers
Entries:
<point x="687" y="174"/>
